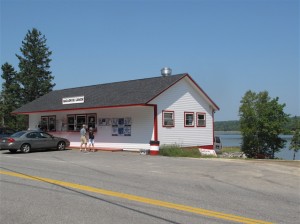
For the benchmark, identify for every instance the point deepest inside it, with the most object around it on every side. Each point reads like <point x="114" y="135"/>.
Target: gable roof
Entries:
<point x="126" y="93"/>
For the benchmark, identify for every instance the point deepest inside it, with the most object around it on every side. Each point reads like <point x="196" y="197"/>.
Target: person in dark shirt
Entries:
<point x="91" y="140"/>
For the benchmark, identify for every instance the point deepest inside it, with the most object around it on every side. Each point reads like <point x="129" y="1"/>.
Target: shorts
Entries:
<point x="83" y="139"/>
<point x="91" y="141"/>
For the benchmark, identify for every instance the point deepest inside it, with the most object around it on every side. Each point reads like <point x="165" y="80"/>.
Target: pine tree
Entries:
<point x="10" y="95"/>
<point x="34" y="75"/>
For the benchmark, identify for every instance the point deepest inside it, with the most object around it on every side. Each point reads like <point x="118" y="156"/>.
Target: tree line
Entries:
<point x="234" y="125"/>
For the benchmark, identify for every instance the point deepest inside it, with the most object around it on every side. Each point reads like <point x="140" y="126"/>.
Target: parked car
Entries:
<point x="4" y="132"/>
<point x="26" y="141"/>
<point x="217" y="144"/>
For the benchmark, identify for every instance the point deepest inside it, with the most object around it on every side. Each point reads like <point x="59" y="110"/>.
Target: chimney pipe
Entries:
<point x="166" y="71"/>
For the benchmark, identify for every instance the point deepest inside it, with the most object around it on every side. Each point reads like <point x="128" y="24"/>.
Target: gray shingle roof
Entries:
<point x="132" y="92"/>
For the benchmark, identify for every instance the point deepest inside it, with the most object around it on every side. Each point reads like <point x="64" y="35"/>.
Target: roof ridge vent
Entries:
<point x="166" y="71"/>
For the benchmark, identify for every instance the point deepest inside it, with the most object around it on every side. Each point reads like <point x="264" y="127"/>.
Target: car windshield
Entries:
<point x="18" y="134"/>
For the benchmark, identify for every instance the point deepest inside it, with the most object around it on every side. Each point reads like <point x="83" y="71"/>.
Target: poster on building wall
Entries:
<point x="114" y="121"/>
<point x="127" y="130"/>
<point x="104" y="121"/>
<point x="127" y="120"/>
<point x="121" y="126"/>
<point x="114" y="130"/>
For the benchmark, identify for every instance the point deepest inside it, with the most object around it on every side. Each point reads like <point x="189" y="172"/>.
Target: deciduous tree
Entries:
<point x="295" y="143"/>
<point x="262" y="120"/>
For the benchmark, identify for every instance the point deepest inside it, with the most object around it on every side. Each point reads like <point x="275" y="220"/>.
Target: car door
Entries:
<point x="33" y="139"/>
<point x="47" y="141"/>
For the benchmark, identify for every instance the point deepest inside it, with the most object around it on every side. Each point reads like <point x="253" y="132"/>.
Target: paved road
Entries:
<point x="123" y="187"/>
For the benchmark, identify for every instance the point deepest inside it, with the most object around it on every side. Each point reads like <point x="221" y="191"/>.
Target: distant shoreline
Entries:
<point x="227" y="132"/>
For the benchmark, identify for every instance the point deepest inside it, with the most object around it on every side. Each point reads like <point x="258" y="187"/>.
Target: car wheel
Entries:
<point x="61" y="146"/>
<point x="26" y="148"/>
<point x="13" y="150"/>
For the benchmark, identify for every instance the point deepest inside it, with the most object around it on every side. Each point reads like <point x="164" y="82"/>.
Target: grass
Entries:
<point x="177" y="151"/>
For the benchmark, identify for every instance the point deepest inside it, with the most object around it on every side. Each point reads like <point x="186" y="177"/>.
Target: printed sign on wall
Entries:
<point x="104" y="121"/>
<point x="121" y="126"/>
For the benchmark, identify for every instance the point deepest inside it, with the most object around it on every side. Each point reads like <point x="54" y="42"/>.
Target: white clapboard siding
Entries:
<point x="180" y="98"/>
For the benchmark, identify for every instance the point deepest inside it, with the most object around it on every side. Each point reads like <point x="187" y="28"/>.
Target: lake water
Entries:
<point x="236" y="140"/>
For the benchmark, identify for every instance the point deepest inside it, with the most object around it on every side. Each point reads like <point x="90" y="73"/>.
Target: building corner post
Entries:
<point x="154" y="144"/>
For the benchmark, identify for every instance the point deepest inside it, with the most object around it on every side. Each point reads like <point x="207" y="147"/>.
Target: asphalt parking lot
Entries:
<point x="254" y="189"/>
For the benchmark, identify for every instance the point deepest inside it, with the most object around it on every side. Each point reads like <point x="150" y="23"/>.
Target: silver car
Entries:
<point x="26" y="141"/>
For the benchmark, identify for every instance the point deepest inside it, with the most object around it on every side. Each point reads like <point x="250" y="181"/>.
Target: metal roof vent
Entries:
<point x="166" y="71"/>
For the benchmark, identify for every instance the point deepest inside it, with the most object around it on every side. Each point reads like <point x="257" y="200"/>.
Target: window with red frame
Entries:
<point x="201" y="119"/>
<point x="189" y="120"/>
<point x="168" y="118"/>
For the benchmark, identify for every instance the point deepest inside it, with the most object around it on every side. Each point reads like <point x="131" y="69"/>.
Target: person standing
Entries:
<point x="83" y="138"/>
<point x="39" y="128"/>
<point x="91" y="139"/>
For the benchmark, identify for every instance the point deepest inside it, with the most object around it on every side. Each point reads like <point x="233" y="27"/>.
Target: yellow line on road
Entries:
<point x="150" y="201"/>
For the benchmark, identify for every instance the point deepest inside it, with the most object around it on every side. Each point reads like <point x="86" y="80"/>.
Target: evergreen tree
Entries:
<point x="10" y="96"/>
<point x="262" y="119"/>
<point x="295" y="143"/>
<point x="34" y="75"/>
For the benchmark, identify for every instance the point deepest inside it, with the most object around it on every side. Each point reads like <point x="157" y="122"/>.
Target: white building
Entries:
<point x="129" y="115"/>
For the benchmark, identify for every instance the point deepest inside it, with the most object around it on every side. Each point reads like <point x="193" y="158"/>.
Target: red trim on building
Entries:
<point x="184" y="118"/>
<point x="200" y="89"/>
<point x="206" y="146"/>
<point x="167" y="88"/>
<point x="163" y="119"/>
<point x="213" y="126"/>
<point x="197" y="124"/>
<point x="155" y="123"/>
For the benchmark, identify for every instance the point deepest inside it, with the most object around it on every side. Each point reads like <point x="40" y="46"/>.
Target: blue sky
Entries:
<point x="227" y="46"/>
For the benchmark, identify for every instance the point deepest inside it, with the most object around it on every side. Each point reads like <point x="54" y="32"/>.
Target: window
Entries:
<point x="52" y="123"/>
<point x="44" y="135"/>
<point x="91" y="121"/>
<point x="201" y="119"/>
<point x="168" y="118"/>
<point x="189" y="119"/>
<point x="80" y="120"/>
<point x="32" y="135"/>
<point x="71" y="122"/>
<point x="44" y="123"/>
<point x="48" y="123"/>
<point x="75" y="121"/>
